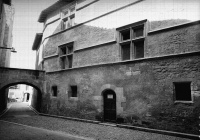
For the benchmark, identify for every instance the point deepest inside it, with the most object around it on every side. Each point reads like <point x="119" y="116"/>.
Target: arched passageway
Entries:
<point x="36" y="98"/>
<point x="109" y="105"/>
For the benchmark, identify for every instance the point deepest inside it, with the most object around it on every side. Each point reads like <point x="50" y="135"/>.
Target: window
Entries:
<point x="66" y="55"/>
<point x="74" y="91"/>
<point x="54" y="91"/>
<point x="182" y="91"/>
<point x="131" y="40"/>
<point x="125" y="51"/>
<point x="68" y="17"/>
<point x="125" y="35"/>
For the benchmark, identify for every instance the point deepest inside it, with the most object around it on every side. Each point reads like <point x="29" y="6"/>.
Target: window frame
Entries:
<point x="174" y="92"/>
<point x="69" y="17"/>
<point x="72" y="93"/>
<point x="66" y="59"/>
<point x="53" y="91"/>
<point x="132" y="39"/>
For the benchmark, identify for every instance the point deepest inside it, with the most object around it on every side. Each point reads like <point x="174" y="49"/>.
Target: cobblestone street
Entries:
<point x="96" y="131"/>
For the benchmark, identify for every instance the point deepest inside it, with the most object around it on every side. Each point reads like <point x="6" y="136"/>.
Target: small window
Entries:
<point x="125" y="35"/>
<point x="65" y="13"/>
<point x="65" y="24"/>
<point x="54" y="91"/>
<point x="72" y="10"/>
<point x="63" y="62"/>
<point x="70" y="61"/>
<point x="69" y="49"/>
<point x="72" y="19"/>
<point x="139" y="49"/>
<point x="138" y="32"/>
<point x="63" y="51"/>
<point x="74" y="91"/>
<point x="183" y="91"/>
<point x="68" y="17"/>
<point x="125" y="52"/>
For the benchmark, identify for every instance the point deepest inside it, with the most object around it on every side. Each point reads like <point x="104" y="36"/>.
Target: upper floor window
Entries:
<point x="68" y="17"/>
<point x="66" y="55"/>
<point x="131" y="40"/>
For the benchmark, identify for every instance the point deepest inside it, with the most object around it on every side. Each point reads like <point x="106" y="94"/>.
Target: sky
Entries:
<point x="25" y="27"/>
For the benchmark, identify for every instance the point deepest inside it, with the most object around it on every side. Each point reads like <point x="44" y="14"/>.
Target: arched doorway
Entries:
<point x="109" y="105"/>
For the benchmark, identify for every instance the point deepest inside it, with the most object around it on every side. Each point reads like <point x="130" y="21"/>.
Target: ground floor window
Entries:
<point x="182" y="91"/>
<point x="74" y="92"/>
<point x="54" y="91"/>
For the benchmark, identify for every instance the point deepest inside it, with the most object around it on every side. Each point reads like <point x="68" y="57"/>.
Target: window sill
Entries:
<point x="53" y="97"/>
<point x="73" y="98"/>
<point x="184" y="102"/>
<point x="65" y="69"/>
<point x="128" y="61"/>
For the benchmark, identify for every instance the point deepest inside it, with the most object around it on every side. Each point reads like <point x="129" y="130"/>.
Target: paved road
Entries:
<point x="16" y="131"/>
<point x="41" y="127"/>
<point x="13" y="131"/>
<point x="18" y="109"/>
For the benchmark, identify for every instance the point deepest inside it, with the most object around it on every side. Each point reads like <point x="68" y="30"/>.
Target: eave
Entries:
<point x="53" y="7"/>
<point x="37" y="41"/>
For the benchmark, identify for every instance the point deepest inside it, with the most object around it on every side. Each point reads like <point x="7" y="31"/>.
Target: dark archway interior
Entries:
<point x="109" y="103"/>
<point x="36" y="96"/>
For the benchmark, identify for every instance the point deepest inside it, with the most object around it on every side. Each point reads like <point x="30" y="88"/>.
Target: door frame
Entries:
<point x="104" y="93"/>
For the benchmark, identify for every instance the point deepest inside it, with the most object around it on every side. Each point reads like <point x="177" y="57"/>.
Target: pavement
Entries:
<point x="16" y="131"/>
<point x="18" y="109"/>
<point x="21" y="123"/>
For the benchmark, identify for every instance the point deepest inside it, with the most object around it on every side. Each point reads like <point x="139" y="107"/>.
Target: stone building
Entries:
<point x="6" y="27"/>
<point x="134" y="62"/>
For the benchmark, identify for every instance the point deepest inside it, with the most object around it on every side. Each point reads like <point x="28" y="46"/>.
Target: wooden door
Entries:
<point x="109" y="105"/>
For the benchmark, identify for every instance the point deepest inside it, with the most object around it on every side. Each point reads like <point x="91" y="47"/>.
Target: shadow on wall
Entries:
<point x="154" y="25"/>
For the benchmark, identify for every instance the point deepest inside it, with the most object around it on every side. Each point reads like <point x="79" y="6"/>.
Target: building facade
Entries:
<point x="6" y="27"/>
<point x="134" y="62"/>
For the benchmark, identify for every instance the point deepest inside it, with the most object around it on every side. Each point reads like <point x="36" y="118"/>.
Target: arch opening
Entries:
<point x="20" y="92"/>
<point x="109" y="105"/>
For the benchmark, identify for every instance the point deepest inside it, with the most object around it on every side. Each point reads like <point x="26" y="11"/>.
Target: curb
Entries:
<point x="164" y="132"/>
<point x="33" y="109"/>
<point x="70" y="118"/>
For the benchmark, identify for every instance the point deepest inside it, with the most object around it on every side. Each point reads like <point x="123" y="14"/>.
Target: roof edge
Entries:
<point x="37" y="41"/>
<point x="60" y="3"/>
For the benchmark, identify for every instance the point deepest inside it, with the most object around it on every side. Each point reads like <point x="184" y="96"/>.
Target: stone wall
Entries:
<point x="144" y="90"/>
<point x="176" y="40"/>
<point x="89" y="48"/>
<point x="13" y="76"/>
<point x="84" y="36"/>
